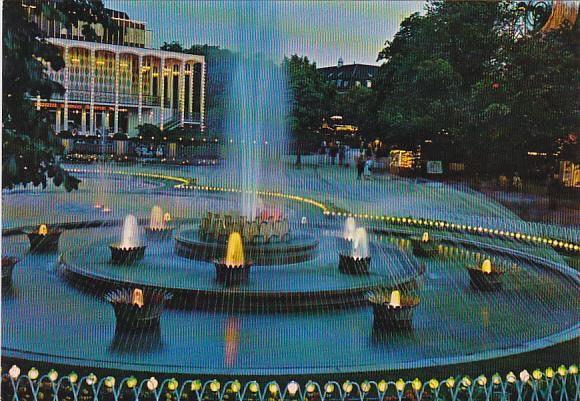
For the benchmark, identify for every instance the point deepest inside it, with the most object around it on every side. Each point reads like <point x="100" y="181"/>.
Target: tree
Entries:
<point x="311" y="101"/>
<point x="459" y="70"/>
<point x="357" y="107"/>
<point x="28" y="148"/>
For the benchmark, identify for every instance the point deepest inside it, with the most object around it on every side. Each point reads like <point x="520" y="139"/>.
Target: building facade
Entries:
<point x="346" y="76"/>
<point x="118" y="82"/>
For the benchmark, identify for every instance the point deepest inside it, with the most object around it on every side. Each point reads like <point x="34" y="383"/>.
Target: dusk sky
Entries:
<point x="323" y="31"/>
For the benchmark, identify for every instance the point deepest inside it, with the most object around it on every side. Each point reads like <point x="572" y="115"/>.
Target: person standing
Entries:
<point x="340" y="155"/>
<point x="360" y="166"/>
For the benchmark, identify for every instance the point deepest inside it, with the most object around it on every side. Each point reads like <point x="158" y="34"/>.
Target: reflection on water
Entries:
<point x="136" y="341"/>
<point x="232" y="336"/>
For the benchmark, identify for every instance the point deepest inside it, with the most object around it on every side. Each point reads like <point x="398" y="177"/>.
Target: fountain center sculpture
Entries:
<point x="425" y="237"/>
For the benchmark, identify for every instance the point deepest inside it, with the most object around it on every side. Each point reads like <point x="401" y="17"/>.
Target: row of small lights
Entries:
<point x="569" y="246"/>
<point x="311" y="387"/>
<point x="555" y="243"/>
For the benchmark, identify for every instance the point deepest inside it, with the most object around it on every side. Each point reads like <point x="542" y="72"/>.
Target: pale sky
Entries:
<point x="321" y="30"/>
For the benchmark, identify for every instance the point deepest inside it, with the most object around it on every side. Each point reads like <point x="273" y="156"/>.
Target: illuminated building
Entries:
<point x="118" y="82"/>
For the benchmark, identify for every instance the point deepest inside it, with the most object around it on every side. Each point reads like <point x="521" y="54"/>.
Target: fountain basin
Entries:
<point x="8" y="263"/>
<point x="159" y="232"/>
<point x="126" y="255"/>
<point x="389" y="317"/>
<point x="231" y="275"/>
<point x="130" y="316"/>
<point x="485" y="281"/>
<point x="352" y="265"/>
<point x="40" y="243"/>
<point x="424" y="248"/>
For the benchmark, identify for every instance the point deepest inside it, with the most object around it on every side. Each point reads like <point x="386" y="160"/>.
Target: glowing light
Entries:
<point x="235" y="250"/>
<point x="273" y="387"/>
<point x="43" y="229"/>
<point x="425" y="237"/>
<point x="196" y="385"/>
<point x="486" y="266"/>
<point x="395" y="301"/>
<point x="365" y="386"/>
<point x="172" y="384"/>
<point x="511" y="377"/>
<point x="110" y="381"/>
<point x="524" y="376"/>
<point x="347" y="386"/>
<point x="73" y="377"/>
<point x="152" y="383"/>
<point x="214" y="386"/>
<point x="91" y="379"/>
<point x="329" y="388"/>
<point x="236" y="386"/>
<point x="137" y="298"/>
<point x="14" y="372"/>
<point x="433" y="384"/>
<point x="292" y="388"/>
<point x="400" y="385"/>
<point x="132" y="382"/>
<point x="382" y="386"/>
<point x="416" y="384"/>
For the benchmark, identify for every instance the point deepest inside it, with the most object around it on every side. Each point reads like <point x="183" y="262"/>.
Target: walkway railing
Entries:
<point x="562" y="384"/>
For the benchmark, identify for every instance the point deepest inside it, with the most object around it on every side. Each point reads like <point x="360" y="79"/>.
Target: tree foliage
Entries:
<point x="458" y="69"/>
<point x="311" y="99"/>
<point x="28" y="149"/>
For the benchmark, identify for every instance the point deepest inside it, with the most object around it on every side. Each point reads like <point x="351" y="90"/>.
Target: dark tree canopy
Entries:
<point x="28" y="148"/>
<point x="459" y="70"/>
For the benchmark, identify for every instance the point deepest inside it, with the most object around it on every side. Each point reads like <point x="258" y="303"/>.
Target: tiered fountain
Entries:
<point x="137" y="308"/>
<point x="233" y="269"/>
<point x="424" y="246"/>
<point x="130" y="249"/>
<point x="44" y="239"/>
<point x="159" y="224"/>
<point x="487" y="277"/>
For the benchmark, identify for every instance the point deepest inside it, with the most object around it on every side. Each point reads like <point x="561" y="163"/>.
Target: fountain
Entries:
<point x="130" y="249"/>
<point x="485" y="278"/>
<point x="424" y="246"/>
<point x="137" y="308"/>
<point x="359" y="260"/>
<point x="8" y="263"/>
<point x="159" y="226"/>
<point x="349" y="229"/>
<point x="44" y="239"/>
<point x="392" y="311"/>
<point x="233" y="269"/>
